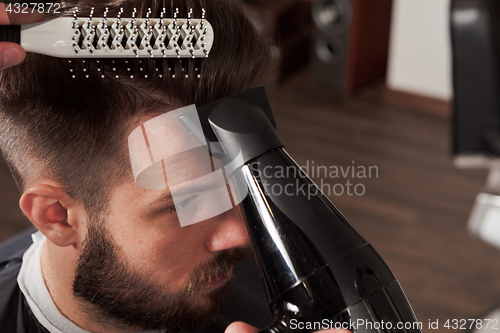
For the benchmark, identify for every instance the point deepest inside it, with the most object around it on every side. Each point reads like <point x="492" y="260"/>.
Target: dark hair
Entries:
<point x="74" y="130"/>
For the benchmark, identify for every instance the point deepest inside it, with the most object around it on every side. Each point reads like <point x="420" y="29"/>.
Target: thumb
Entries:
<point x="240" y="327"/>
<point x="11" y="54"/>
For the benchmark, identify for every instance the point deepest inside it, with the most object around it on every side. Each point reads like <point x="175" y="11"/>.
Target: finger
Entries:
<point x="19" y="18"/>
<point x="11" y="54"/>
<point x="240" y="327"/>
<point x="4" y="17"/>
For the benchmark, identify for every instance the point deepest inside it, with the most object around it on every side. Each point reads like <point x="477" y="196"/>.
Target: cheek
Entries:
<point x="169" y="253"/>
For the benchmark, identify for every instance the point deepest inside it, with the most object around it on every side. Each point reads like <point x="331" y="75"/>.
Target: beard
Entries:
<point x="112" y="292"/>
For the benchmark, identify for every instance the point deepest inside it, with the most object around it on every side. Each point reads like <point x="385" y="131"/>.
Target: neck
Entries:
<point x="58" y="267"/>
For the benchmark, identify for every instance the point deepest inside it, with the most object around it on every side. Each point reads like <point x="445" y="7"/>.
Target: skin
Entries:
<point x="148" y="236"/>
<point x="151" y="240"/>
<point x="12" y="54"/>
<point x="240" y="327"/>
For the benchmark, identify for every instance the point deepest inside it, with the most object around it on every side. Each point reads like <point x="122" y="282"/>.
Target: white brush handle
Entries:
<point x="66" y="37"/>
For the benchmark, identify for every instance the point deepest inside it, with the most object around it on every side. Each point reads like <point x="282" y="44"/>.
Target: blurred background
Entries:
<point x="407" y="87"/>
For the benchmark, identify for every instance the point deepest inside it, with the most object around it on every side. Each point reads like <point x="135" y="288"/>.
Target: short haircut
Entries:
<point x="74" y="130"/>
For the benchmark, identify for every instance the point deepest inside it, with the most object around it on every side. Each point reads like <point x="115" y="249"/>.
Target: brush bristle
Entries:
<point x="142" y="37"/>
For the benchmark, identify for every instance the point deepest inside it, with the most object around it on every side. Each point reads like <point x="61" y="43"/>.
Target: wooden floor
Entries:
<point x="414" y="213"/>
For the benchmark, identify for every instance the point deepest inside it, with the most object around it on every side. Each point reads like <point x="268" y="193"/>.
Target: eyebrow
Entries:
<point x="162" y="200"/>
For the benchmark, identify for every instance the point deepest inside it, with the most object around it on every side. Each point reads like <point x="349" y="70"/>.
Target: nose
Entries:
<point x="229" y="231"/>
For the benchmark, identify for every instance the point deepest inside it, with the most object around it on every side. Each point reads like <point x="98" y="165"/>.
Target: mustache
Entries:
<point x="205" y="274"/>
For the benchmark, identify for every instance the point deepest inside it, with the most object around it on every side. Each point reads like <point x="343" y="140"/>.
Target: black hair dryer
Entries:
<point x="318" y="271"/>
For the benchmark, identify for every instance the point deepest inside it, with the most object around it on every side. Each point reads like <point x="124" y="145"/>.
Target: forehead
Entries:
<point x="163" y="148"/>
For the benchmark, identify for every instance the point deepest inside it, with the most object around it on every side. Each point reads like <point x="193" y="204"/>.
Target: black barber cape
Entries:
<point x="247" y="303"/>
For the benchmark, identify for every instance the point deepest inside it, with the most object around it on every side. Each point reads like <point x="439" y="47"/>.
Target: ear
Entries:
<point x="53" y="212"/>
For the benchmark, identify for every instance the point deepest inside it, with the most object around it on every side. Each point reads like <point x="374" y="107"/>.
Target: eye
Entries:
<point x="180" y="205"/>
<point x="170" y="210"/>
<point x="183" y="204"/>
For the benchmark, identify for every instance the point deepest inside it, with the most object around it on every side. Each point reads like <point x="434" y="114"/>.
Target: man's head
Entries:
<point x="65" y="141"/>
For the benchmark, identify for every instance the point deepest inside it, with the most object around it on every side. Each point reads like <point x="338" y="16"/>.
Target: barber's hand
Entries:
<point x="12" y="54"/>
<point x="240" y="327"/>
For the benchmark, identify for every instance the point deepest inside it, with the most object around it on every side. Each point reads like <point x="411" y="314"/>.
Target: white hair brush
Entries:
<point x="91" y="37"/>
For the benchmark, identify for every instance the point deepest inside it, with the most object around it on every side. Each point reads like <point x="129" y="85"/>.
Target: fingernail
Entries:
<point x="10" y="57"/>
